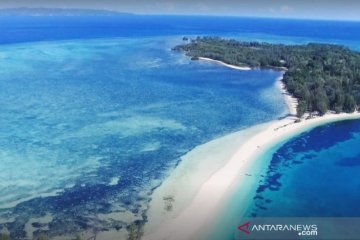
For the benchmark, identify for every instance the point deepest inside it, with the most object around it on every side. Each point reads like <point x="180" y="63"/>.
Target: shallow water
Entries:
<point x="311" y="174"/>
<point x="93" y="126"/>
<point x="97" y="112"/>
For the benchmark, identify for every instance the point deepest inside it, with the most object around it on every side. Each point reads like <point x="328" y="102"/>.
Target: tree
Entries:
<point x="301" y="108"/>
<point x="320" y="101"/>
<point x="339" y="102"/>
<point x="321" y="75"/>
<point x="321" y="106"/>
<point x="349" y="104"/>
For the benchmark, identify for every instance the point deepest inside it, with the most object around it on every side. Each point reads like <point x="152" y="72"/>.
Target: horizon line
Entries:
<point x="182" y="14"/>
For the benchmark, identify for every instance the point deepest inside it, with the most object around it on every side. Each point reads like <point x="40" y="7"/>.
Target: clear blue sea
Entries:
<point x="96" y="112"/>
<point x="315" y="174"/>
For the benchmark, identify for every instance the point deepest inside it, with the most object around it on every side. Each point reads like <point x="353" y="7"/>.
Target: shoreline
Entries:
<point x="196" y="216"/>
<point x="197" y="202"/>
<point x="224" y="64"/>
<point x="290" y="101"/>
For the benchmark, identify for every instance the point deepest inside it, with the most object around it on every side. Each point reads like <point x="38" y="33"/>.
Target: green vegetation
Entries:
<point x="322" y="76"/>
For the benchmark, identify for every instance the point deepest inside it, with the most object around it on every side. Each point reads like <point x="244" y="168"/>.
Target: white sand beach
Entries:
<point x="198" y="187"/>
<point x="224" y="64"/>
<point x="290" y="101"/>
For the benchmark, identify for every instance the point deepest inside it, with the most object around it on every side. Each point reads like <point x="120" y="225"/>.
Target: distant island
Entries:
<point x="322" y="77"/>
<point x="58" y="12"/>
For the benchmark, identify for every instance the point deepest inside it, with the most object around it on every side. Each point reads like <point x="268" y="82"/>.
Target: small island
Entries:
<point x="322" y="77"/>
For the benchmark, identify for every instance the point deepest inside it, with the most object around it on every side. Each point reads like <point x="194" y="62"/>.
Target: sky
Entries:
<point x="303" y="9"/>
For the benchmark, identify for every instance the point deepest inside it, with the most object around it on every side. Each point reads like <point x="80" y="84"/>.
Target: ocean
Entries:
<point x="96" y="112"/>
<point x="325" y="159"/>
<point x="314" y="174"/>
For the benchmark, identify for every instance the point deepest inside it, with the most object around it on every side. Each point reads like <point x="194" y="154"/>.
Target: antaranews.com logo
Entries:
<point x="299" y="228"/>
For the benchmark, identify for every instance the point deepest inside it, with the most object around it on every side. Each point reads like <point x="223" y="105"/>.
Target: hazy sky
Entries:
<point x="314" y="9"/>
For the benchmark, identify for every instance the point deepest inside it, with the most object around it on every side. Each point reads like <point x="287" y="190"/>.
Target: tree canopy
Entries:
<point x="322" y="76"/>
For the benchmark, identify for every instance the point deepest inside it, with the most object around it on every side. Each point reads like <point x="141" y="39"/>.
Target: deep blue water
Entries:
<point x="25" y="29"/>
<point x="316" y="174"/>
<point x="312" y="174"/>
<point x="95" y="112"/>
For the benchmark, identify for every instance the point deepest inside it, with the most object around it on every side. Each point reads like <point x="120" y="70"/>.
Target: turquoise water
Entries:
<point x="98" y="124"/>
<point x="96" y="112"/>
<point x="313" y="174"/>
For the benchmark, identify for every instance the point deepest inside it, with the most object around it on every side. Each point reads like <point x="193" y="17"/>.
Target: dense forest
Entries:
<point x="322" y="76"/>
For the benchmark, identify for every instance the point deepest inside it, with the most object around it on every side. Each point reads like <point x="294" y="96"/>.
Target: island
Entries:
<point x="322" y="77"/>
